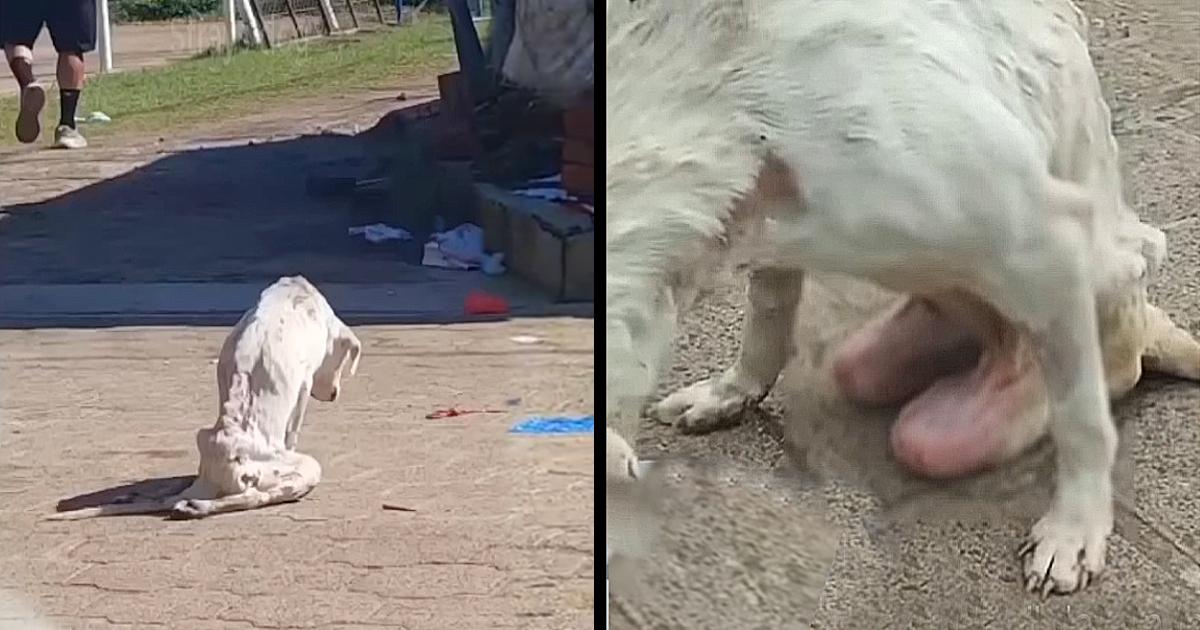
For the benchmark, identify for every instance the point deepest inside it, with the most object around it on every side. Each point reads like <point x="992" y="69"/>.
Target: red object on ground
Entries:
<point x="481" y="303"/>
<point x="454" y="412"/>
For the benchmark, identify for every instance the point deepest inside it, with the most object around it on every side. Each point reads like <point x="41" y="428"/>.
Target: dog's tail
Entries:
<point x="115" y="509"/>
<point x="1171" y="350"/>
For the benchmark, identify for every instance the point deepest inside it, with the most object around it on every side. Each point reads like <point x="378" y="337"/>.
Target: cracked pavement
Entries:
<point x="501" y="536"/>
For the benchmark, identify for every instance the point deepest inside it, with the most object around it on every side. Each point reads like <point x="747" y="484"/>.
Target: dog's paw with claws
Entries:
<point x="1061" y="557"/>
<point x="707" y="405"/>
<point x="189" y="509"/>
<point x="621" y="464"/>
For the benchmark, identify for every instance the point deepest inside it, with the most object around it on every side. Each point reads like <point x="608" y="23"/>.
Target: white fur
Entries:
<point x="930" y="146"/>
<point x="288" y="347"/>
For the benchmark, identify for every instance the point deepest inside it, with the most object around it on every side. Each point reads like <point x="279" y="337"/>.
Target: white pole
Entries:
<point x="328" y="10"/>
<point x="255" y="27"/>
<point x="104" y="37"/>
<point x="231" y="21"/>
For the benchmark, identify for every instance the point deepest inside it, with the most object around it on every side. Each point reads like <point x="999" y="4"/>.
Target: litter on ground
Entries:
<point x="380" y="232"/>
<point x="554" y="426"/>
<point x="462" y="248"/>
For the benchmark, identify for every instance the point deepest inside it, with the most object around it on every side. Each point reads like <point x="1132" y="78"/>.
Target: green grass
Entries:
<point x="222" y="86"/>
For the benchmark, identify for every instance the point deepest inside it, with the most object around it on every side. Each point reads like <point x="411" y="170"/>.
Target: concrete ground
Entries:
<point x="177" y="236"/>
<point x="500" y="534"/>
<point x="916" y="555"/>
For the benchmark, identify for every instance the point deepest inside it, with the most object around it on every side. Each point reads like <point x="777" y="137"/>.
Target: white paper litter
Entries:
<point x="462" y="248"/>
<point x="380" y="232"/>
<point x="549" y="194"/>
<point x="94" y="117"/>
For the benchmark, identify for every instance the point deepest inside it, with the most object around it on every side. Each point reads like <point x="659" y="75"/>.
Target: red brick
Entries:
<point x="456" y="95"/>
<point x="579" y="152"/>
<point x="579" y="179"/>
<point x="453" y="140"/>
<point x="580" y="123"/>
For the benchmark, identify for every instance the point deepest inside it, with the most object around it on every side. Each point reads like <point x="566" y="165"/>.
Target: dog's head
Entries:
<point x="342" y="346"/>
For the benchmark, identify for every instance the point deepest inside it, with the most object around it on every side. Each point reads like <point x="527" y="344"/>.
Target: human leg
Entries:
<point x="72" y="25"/>
<point x="19" y="28"/>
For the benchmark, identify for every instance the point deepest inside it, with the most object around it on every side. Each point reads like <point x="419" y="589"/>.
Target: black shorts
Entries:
<point x="72" y="23"/>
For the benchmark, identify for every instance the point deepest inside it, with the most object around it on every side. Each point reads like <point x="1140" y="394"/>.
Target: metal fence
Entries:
<point x="285" y="20"/>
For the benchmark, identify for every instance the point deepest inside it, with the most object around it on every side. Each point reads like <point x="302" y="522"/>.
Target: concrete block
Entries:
<point x="547" y="243"/>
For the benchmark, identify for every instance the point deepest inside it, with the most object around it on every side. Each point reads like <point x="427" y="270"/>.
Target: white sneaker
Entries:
<point x="68" y="138"/>
<point x="29" y="125"/>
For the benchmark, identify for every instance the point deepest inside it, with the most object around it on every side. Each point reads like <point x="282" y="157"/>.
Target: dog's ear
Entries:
<point x="349" y="344"/>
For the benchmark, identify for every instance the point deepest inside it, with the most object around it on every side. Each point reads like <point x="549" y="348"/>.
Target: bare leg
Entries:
<point x="20" y="61"/>
<point x="70" y="87"/>
<point x="33" y="95"/>
<point x="71" y="71"/>
<point x="766" y="345"/>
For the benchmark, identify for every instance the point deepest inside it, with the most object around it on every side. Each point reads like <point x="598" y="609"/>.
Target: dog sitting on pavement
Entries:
<point x="289" y="346"/>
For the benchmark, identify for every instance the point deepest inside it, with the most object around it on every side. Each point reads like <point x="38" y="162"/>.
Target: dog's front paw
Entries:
<point x="1061" y="557"/>
<point x="620" y="463"/>
<point x="706" y="405"/>
<point x="190" y="508"/>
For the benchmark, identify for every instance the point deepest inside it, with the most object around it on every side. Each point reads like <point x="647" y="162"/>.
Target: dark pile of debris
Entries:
<point x="516" y="161"/>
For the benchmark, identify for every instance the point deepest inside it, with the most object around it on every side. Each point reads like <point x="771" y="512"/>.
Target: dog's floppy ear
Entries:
<point x="349" y="343"/>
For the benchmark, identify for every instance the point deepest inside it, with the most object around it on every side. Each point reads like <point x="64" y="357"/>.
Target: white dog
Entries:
<point x="288" y="347"/>
<point x="959" y="152"/>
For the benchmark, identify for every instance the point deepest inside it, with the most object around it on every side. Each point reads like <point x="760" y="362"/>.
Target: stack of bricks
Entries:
<point x="454" y="134"/>
<point x="579" y="150"/>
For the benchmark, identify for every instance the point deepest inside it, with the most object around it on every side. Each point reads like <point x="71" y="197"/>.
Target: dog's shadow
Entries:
<point x="144" y="490"/>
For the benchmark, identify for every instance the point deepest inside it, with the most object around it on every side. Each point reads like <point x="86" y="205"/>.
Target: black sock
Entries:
<point x="69" y="101"/>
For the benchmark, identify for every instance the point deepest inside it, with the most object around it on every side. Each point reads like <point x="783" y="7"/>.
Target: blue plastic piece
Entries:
<point x="555" y="426"/>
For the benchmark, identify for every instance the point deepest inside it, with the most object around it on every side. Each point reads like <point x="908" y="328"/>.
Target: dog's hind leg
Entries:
<point x="767" y="343"/>
<point x="1170" y="349"/>
<point x="281" y="482"/>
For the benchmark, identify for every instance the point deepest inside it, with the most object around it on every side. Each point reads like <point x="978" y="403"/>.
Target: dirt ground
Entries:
<point x="501" y="533"/>
<point x="942" y="556"/>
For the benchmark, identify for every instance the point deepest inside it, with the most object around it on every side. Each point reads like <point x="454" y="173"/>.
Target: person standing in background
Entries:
<point x="72" y="26"/>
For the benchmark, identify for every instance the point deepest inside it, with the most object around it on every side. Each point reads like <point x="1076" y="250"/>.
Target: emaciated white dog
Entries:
<point x="288" y="347"/>
<point x="956" y="151"/>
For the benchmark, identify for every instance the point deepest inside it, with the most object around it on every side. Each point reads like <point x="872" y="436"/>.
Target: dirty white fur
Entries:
<point x="289" y="346"/>
<point x="930" y="146"/>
